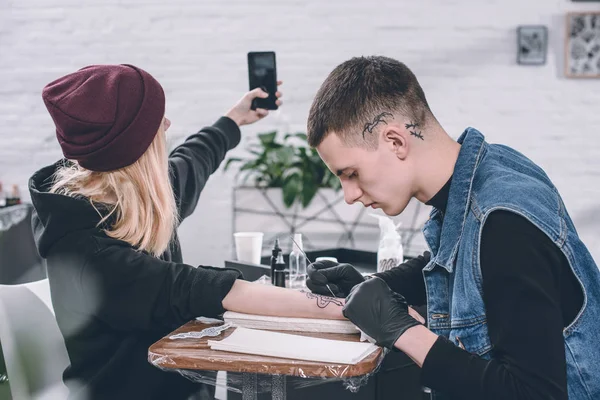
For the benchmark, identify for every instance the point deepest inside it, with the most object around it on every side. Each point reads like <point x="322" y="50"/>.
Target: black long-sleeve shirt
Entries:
<point x="530" y="295"/>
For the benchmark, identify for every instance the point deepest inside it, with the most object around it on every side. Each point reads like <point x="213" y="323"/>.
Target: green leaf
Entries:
<point x="230" y="161"/>
<point x="299" y="135"/>
<point x="267" y="138"/>
<point x="248" y="166"/>
<point x="284" y="155"/>
<point x="291" y="189"/>
<point x="309" y="189"/>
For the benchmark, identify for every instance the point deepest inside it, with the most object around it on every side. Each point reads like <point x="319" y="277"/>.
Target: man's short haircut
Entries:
<point x="360" y="91"/>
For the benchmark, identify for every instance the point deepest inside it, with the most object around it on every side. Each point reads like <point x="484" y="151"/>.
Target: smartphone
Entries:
<point x="262" y="73"/>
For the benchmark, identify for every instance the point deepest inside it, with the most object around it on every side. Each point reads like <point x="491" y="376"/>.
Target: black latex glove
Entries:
<point x="378" y="311"/>
<point x="341" y="278"/>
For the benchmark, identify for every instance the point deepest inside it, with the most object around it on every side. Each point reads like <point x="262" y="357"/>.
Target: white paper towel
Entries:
<point x="284" y="345"/>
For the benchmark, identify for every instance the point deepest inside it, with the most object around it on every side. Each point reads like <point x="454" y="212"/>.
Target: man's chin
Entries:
<point x="392" y="211"/>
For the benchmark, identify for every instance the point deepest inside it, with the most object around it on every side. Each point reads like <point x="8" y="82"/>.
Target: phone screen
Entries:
<point x="262" y="73"/>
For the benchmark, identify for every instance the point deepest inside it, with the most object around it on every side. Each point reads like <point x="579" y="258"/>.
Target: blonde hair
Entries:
<point x="139" y="195"/>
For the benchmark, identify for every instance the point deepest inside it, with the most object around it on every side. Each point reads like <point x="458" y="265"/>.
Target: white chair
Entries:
<point x="33" y="347"/>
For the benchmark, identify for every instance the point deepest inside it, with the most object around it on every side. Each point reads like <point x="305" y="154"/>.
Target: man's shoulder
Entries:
<point x="505" y="176"/>
<point x="517" y="185"/>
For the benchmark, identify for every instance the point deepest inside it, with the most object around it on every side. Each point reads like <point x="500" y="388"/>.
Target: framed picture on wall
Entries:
<point x="582" y="49"/>
<point x="532" y="44"/>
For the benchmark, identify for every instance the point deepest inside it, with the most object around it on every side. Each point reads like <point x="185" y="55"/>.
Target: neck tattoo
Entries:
<point x="415" y="130"/>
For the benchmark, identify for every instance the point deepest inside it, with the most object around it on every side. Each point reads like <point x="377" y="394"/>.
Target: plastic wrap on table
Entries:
<point x="192" y="358"/>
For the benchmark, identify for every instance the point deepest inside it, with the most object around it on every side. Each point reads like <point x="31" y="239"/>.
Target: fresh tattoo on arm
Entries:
<point x="415" y="130"/>
<point x="324" y="301"/>
<point x="369" y="126"/>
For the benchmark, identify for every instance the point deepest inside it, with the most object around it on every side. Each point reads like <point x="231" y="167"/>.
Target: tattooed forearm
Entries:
<point x="414" y="130"/>
<point x="324" y="301"/>
<point x="369" y="126"/>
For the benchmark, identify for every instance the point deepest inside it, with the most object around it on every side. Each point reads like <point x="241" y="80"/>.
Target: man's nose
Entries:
<point x="351" y="192"/>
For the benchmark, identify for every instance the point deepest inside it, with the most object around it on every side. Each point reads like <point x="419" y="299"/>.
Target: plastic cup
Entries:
<point x="248" y="246"/>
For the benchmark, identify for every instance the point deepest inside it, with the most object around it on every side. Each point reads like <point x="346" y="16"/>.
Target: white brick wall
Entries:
<point x="463" y="51"/>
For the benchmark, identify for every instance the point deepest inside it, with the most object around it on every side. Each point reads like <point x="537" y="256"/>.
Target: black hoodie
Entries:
<point x="113" y="301"/>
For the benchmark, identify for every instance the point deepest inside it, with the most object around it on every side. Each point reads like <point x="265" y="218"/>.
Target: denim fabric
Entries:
<point x="495" y="177"/>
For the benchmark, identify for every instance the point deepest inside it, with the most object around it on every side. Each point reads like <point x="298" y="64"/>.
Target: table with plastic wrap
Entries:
<point x="191" y="356"/>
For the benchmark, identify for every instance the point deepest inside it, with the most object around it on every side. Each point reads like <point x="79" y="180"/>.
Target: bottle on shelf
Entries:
<point x="15" y="196"/>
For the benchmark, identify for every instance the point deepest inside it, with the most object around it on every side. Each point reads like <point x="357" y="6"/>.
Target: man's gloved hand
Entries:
<point x="378" y="311"/>
<point x="340" y="278"/>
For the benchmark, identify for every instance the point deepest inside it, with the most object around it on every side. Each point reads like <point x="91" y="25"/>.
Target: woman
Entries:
<point x="105" y="220"/>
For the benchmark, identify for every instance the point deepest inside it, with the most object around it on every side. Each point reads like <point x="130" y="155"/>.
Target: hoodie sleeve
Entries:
<point x="130" y="290"/>
<point x="192" y="163"/>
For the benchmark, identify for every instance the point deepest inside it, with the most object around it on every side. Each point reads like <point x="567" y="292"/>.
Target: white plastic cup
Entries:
<point x="248" y="246"/>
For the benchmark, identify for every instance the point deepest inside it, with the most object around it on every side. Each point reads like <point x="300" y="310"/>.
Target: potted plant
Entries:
<point x="296" y="169"/>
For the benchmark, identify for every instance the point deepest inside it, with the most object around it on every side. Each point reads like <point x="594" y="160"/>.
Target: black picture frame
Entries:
<point x="532" y="44"/>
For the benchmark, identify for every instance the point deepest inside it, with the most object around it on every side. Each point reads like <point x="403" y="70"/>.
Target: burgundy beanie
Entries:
<point x="106" y="116"/>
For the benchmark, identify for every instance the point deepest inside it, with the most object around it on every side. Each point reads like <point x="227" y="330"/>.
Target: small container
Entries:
<point x="16" y="194"/>
<point x="279" y="271"/>
<point x="14" y="198"/>
<point x="274" y="254"/>
<point x="248" y="246"/>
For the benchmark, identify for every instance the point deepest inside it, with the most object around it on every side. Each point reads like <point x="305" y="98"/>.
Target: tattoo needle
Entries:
<point x="310" y="262"/>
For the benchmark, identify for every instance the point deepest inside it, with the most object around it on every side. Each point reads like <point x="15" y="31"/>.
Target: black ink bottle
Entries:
<point x="274" y="254"/>
<point x="279" y="272"/>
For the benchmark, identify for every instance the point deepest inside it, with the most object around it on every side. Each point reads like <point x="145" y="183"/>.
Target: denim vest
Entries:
<point x="493" y="177"/>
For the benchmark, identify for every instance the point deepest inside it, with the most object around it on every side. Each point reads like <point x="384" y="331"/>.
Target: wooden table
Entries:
<point x="194" y="354"/>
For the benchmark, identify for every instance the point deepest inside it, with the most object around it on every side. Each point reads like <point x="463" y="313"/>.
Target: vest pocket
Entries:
<point x="474" y="339"/>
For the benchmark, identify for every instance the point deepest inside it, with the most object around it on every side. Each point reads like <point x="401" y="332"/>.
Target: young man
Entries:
<point x="512" y="294"/>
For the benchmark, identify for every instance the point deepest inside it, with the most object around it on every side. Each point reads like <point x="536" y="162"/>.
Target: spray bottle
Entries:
<point x="390" y="252"/>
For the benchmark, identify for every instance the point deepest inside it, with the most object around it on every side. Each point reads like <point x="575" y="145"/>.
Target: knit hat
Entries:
<point x="106" y="116"/>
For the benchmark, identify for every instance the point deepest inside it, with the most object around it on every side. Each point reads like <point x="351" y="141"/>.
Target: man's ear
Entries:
<point x="396" y="140"/>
